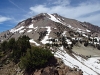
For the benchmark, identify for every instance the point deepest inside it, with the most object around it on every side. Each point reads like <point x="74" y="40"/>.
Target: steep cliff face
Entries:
<point x="75" y="43"/>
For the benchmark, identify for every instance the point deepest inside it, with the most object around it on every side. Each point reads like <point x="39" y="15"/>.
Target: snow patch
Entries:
<point x="98" y="38"/>
<point x="31" y="26"/>
<point x="29" y="30"/>
<point x="32" y="41"/>
<point x="55" y="28"/>
<point x="15" y="30"/>
<point x="53" y="18"/>
<point x="64" y="33"/>
<point x="72" y="62"/>
<point x="92" y="63"/>
<point x="44" y="41"/>
<point x="85" y="35"/>
<point x="21" y="31"/>
<point x="68" y="41"/>
<point x="88" y="30"/>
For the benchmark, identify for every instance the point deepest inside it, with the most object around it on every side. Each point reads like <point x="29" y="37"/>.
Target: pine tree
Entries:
<point x="35" y="58"/>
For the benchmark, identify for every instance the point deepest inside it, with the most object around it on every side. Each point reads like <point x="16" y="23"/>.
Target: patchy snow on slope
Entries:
<point x="21" y="31"/>
<point x="30" y="26"/>
<point x="15" y="30"/>
<point x="88" y="30"/>
<point x="69" y="26"/>
<point x="64" y="33"/>
<point x="98" y="38"/>
<point x="44" y="41"/>
<point x="12" y="30"/>
<point x="32" y="41"/>
<point x="59" y="19"/>
<point x="68" y="41"/>
<point x="72" y="62"/>
<point x="29" y="30"/>
<point x="93" y="63"/>
<point x="55" y="28"/>
<point x="19" y="28"/>
<point x="53" y="18"/>
<point x="85" y="35"/>
<point x="35" y="28"/>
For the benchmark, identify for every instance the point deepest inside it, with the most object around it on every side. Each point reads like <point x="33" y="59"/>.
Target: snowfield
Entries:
<point x="93" y="63"/>
<point x="89" y="67"/>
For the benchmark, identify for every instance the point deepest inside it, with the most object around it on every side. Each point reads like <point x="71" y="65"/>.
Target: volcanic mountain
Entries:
<point x="62" y="35"/>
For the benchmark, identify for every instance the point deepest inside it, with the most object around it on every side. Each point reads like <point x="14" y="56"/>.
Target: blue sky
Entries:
<point x="14" y="11"/>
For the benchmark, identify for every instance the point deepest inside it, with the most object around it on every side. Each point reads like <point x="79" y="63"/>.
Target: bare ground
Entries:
<point x="86" y="51"/>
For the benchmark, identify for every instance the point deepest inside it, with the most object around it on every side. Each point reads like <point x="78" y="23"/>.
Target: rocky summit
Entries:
<point x="75" y="43"/>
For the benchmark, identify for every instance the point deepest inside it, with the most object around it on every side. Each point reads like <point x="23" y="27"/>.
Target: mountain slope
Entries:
<point x="60" y="35"/>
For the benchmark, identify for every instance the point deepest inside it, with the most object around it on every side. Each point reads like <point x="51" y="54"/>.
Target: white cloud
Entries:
<point x="39" y="9"/>
<point x="95" y="19"/>
<point x="3" y="19"/>
<point x="78" y="12"/>
<point x="62" y="2"/>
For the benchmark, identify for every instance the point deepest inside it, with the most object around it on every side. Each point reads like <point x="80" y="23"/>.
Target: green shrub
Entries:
<point x="11" y="43"/>
<point x="86" y="44"/>
<point x="35" y="58"/>
<point x="4" y="45"/>
<point x="20" y="48"/>
<point x="98" y="47"/>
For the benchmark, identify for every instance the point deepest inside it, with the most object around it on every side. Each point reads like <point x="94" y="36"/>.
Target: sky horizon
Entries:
<point x="14" y="11"/>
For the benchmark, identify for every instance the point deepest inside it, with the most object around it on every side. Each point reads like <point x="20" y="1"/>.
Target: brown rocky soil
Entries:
<point x="59" y="69"/>
<point x="10" y="69"/>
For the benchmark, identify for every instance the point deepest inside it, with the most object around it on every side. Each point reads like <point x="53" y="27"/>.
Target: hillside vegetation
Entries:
<point x="21" y="52"/>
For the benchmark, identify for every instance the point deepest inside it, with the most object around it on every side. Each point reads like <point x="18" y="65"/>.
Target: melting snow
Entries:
<point x="88" y="30"/>
<point x="31" y="26"/>
<point x="55" y="28"/>
<point x="93" y="63"/>
<point x="15" y="30"/>
<point x="44" y="41"/>
<point x="32" y="41"/>
<point x="68" y="41"/>
<point x="53" y="18"/>
<point x="64" y="33"/>
<point x="85" y="35"/>
<point x="21" y="31"/>
<point x="88" y="68"/>
<point x="29" y="30"/>
<point x="98" y="38"/>
<point x="59" y="19"/>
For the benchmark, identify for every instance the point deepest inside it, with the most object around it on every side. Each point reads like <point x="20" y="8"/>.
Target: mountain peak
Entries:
<point x="62" y="35"/>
